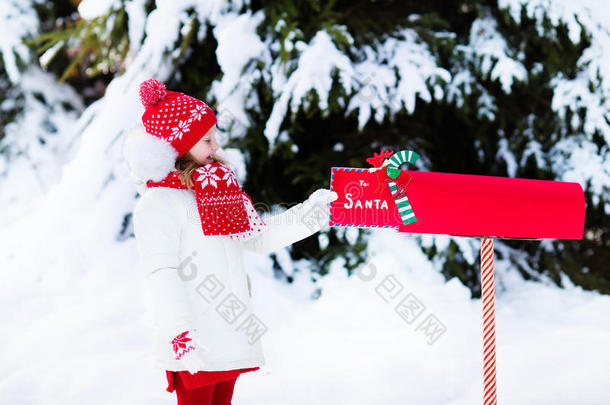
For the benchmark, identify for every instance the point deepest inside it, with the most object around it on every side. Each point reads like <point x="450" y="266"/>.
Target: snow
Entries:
<point x="489" y="45"/>
<point x="90" y="9"/>
<point x="488" y="49"/>
<point x="34" y="163"/>
<point x="575" y="93"/>
<point x="19" y="21"/>
<point x="318" y="60"/>
<point x="351" y="347"/>
<point x="509" y="158"/>
<point x="371" y="80"/>
<point x="578" y="160"/>
<point x="135" y="24"/>
<point x="75" y="317"/>
<point x="232" y="90"/>
<point x="50" y="53"/>
<point x="380" y="91"/>
<point x="83" y="319"/>
<point x="227" y="32"/>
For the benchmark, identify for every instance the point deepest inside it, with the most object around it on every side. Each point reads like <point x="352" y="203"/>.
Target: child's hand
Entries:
<point x="317" y="207"/>
<point x="321" y="197"/>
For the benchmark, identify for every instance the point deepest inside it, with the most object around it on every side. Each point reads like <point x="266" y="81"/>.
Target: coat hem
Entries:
<point x="224" y="366"/>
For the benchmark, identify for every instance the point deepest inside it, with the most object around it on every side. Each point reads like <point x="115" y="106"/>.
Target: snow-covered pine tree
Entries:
<point x="38" y="116"/>
<point x="474" y="86"/>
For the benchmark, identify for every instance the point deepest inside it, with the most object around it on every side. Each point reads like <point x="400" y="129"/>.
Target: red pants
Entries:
<point x="219" y="393"/>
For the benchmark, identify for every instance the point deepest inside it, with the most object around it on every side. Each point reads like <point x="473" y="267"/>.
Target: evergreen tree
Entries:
<point x="474" y="86"/>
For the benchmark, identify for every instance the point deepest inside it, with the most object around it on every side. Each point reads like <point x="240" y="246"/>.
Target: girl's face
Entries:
<point x="205" y="148"/>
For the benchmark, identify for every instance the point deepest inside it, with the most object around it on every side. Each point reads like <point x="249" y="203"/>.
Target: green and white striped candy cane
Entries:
<point x="393" y="171"/>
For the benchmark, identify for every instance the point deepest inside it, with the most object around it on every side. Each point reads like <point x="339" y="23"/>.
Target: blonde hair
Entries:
<point x="187" y="165"/>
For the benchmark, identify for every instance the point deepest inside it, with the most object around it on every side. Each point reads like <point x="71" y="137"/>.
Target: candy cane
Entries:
<point x="489" y="322"/>
<point x="393" y="171"/>
<point x="403" y="156"/>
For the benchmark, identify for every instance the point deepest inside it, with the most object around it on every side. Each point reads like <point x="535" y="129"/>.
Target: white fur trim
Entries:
<point x="147" y="156"/>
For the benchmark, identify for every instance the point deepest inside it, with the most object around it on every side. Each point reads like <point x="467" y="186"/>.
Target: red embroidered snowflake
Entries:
<point x="180" y="345"/>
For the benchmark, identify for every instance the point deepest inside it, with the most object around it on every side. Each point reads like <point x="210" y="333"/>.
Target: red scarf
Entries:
<point x="223" y="207"/>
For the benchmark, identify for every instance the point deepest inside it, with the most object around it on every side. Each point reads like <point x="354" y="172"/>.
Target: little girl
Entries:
<point x="191" y="224"/>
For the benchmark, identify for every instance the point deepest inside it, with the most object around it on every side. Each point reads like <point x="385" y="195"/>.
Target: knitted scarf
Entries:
<point x="223" y="207"/>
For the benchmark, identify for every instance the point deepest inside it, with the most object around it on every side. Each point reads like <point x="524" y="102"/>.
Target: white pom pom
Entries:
<point x="147" y="156"/>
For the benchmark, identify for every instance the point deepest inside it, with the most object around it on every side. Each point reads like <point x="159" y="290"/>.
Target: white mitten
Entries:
<point x="316" y="208"/>
<point x="321" y="197"/>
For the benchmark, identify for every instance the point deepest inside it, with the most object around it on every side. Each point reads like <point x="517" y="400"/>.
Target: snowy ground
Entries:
<point x="348" y="347"/>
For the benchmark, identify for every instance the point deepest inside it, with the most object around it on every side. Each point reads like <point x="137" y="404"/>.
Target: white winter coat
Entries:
<point x="197" y="281"/>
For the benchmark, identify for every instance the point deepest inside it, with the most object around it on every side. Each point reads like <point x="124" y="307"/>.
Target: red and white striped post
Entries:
<point x="489" y="321"/>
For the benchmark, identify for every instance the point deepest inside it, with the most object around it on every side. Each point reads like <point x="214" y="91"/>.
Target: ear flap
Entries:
<point x="147" y="156"/>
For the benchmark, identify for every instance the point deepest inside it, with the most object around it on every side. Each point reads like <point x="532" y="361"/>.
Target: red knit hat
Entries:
<point x="176" y="118"/>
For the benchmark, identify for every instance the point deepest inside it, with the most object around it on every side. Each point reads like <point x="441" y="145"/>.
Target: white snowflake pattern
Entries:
<point x="180" y="129"/>
<point x="230" y="178"/>
<point x="207" y="176"/>
<point x="198" y="111"/>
